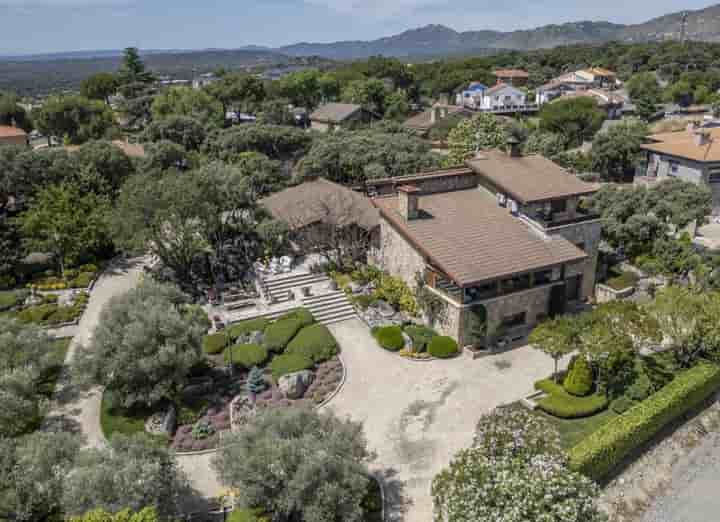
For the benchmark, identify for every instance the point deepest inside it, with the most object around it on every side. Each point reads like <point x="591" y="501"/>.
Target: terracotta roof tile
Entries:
<point x="6" y="131"/>
<point x="682" y="144"/>
<point x="528" y="178"/>
<point x="321" y="200"/>
<point x="334" y="112"/>
<point x="468" y="236"/>
<point x="510" y="73"/>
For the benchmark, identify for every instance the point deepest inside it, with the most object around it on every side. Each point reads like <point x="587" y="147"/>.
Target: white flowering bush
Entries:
<point x="477" y="486"/>
<point x="515" y="431"/>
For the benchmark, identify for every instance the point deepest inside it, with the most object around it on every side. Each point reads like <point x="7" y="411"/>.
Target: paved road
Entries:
<point x="78" y="410"/>
<point x="693" y="494"/>
<point x="417" y="415"/>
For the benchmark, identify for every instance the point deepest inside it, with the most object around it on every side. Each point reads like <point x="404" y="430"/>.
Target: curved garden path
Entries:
<point x="416" y="415"/>
<point x="78" y="411"/>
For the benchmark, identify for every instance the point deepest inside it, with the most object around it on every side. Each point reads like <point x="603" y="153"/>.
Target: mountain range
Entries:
<point x="439" y="40"/>
<point x="702" y="25"/>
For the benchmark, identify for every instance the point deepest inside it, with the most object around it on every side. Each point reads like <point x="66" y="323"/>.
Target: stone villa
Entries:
<point x="504" y="232"/>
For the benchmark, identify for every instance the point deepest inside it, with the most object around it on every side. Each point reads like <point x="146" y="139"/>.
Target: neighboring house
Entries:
<point x="691" y="155"/>
<point x="552" y="90"/>
<point x="516" y="77"/>
<point x="472" y="96"/>
<point x="330" y="116"/>
<point x="13" y="136"/>
<point x="423" y="122"/>
<point x="610" y="102"/>
<point x="503" y="97"/>
<point x="584" y="79"/>
<point x="504" y="233"/>
<point x="204" y="80"/>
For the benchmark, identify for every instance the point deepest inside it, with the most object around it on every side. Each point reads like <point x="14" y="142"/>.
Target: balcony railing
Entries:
<point x="549" y="220"/>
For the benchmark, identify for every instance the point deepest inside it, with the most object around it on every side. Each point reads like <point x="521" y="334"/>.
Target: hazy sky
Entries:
<point x="64" y="25"/>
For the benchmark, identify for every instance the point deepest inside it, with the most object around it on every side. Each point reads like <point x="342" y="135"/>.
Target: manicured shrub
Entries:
<point x="571" y="407"/>
<point x="622" y="404"/>
<point x="598" y="454"/>
<point x="364" y="301"/>
<point x="289" y="363"/>
<point x="215" y="343"/>
<point x="64" y="314"/>
<point x="246" y="355"/>
<point x="443" y="347"/>
<point x="83" y="280"/>
<point x="280" y="333"/>
<point x="421" y="336"/>
<point x="247" y="515"/>
<point x="579" y="379"/>
<point x="245" y="327"/>
<point x="90" y="267"/>
<point x="622" y="281"/>
<point x="314" y="342"/>
<point x="390" y="337"/>
<point x="50" y="298"/>
<point x="302" y="315"/>
<point x="8" y="300"/>
<point x="37" y="314"/>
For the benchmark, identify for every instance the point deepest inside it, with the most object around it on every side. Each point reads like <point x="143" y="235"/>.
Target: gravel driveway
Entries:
<point x="417" y="415"/>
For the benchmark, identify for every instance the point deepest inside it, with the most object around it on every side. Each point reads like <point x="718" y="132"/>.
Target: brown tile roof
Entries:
<point x="599" y="71"/>
<point x="430" y="174"/>
<point x="423" y="120"/>
<point x="321" y="200"/>
<point x="7" y="131"/>
<point x="511" y="73"/>
<point x="682" y="145"/>
<point x="499" y="87"/>
<point x="334" y="112"/>
<point x="602" y="96"/>
<point x="134" y="150"/>
<point x="469" y="237"/>
<point x="529" y="178"/>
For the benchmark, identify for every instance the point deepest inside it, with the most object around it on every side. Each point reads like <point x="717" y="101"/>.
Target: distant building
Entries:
<point x="691" y="155"/>
<point x="472" y="96"/>
<point x="516" y="77"/>
<point x="584" y="79"/>
<point x="10" y="135"/>
<point x="503" y="97"/>
<point x="331" y="116"/>
<point x="610" y="102"/>
<point x="423" y="122"/>
<point x="204" y="80"/>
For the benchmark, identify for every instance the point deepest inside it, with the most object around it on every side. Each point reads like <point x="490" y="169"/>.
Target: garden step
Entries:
<point x="295" y="281"/>
<point x="329" y="306"/>
<point x="339" y="317"/>
<point x="321" y="298"/>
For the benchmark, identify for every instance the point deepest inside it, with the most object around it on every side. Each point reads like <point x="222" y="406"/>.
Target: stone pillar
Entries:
<point x="408" y="202"/>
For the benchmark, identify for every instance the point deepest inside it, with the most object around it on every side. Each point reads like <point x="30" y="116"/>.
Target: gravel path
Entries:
<point x="417" y="415"/>
<point x="77" y="410"/>
<point x="693" y="494"/>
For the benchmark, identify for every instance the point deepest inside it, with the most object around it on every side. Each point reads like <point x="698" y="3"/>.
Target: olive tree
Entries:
<point x="133" y="472"/>
<point x="144" y="345"/>
<point x="298" y="465"/>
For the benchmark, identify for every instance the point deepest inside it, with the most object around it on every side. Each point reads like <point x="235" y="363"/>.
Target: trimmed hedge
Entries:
<point x="302" y="315"/>
<point x="247" y="515"/>
<point x="83" y="280"/>
<point x="289" y="363"/>
<point x="280" y="333"/>
<point x="604" y="449"/>
<point x="215" y="343"/>
<point x="579" y="378"/>
<point x="421" y="336"/>
<point x="314" y="342"/>
<point x="390" y="337"/>
<point x="8" y="300"/>
<point x="246" y="355"/>
<point x="443" y="347"/>
<point x="563" y="405"/>
<point x="248" y="326"/>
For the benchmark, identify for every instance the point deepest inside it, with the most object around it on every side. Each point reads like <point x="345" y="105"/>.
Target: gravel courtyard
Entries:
<point x="417" y="415"/>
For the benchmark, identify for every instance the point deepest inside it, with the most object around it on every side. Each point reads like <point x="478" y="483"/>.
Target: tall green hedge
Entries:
<point x="315" y="342"/>
<point x="248" y="326"/>
<point x="280" y="333"/>
<point x="598" y="454"/>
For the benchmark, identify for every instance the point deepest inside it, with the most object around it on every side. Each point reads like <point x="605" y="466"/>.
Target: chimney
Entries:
<point x="435" y="115"/>
<point x="702" y="137"/>
<point x="408" y="196"/>
<point x="513" y="146"/>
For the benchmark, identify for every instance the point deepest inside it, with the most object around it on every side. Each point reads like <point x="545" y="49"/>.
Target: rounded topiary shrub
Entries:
<point x="579" y="379"/>
<point x="280" y="333"/>
<point x="301" y="315"/>
<point x="443" y="347"/>
<point x="315" y="342"/>
<point x="246" y="355"/>
<point x="289" y="363"/>
<point x="215" y="343"/>
<point x="390" y="338"/>
<point x="421" y="336"/>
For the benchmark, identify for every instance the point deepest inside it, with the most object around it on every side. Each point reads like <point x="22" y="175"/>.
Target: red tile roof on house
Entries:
<point x="511" y="73"/>
<point x="7" y="131"/>
<point x="468" y="236"/>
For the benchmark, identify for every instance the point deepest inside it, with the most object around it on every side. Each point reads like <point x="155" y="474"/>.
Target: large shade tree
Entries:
<point x="297" y="464"/>
<point x="145" y="345"/>
<point x="481" y="132"/>
<point x="578" y="119"/>
<point x="74" y="119"/>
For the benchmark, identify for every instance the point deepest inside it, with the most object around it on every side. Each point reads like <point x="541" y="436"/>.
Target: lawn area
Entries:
<point x="128" y="423"/>
<point x="573" y="431"/>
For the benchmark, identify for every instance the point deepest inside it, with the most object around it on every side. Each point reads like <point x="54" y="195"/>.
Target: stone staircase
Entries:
<point x="329" y="308"/>
<point x="278" y="287"/>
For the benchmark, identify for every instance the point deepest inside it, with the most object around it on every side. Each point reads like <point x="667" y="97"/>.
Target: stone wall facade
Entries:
<point x="585" y="235"/>
<point x="397" y="256"/>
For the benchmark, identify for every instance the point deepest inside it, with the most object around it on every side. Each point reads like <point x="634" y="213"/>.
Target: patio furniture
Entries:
<point x="306" y="291"/>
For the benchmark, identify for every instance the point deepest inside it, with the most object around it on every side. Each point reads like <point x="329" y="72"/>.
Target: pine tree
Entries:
<point x="256" y="382"/>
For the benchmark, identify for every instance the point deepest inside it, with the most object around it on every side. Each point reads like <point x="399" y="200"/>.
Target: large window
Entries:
<point x="543" y="278"/>
<point x="514" y="320"/>
<point x="558" y="205"/>
<point x="520" y="282"/>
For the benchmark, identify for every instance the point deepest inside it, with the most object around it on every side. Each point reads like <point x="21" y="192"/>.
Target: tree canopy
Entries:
<point x="74" y="119"/>
<point x="578" y="119"/>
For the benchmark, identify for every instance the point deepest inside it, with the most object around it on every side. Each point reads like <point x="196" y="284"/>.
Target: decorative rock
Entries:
<point x="356" y="288"/>
<point x="162" y="422"/>
<point x="384" y="309"/>
<point x="293" y="385"/>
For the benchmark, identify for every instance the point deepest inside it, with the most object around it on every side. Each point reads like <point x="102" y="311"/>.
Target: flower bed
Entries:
<point x="79" y="278"/>
<point x="560" y="403"/>
<point x="50" y="313"/>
